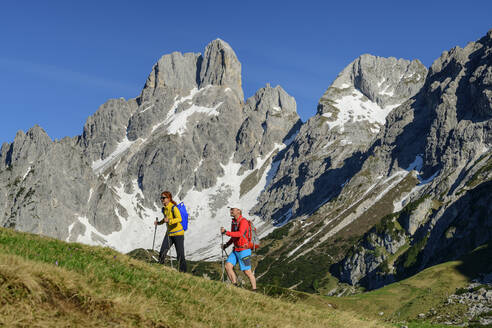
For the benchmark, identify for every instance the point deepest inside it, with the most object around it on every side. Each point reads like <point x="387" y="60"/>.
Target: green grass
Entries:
<point x="254" y="177"/>
<point x="50" y="283"/>
<point x="425" y="325"/>
<point x="477" y="178"/>
<point x="410" y="257"/>
<point x="405" y="299"/>
<point x="46" y="282"/>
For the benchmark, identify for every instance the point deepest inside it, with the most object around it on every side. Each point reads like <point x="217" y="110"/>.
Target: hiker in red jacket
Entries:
<point x="242" y="252"/>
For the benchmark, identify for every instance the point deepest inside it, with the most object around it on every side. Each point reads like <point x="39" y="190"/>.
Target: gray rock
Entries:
<point x="271" y="112"/>
<point x="106" y="128"/>
<point x="365" y="261"/>
<point x="417" y="217"/>
<point x="221" y="67"/>
<point x="386" y="81"/>
<point x="324" y="154"/>
<point x="176" y="71"/>
<point x="447" y="123"/>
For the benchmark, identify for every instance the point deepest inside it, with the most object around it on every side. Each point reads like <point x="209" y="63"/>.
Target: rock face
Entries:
<point x="103" y="130"/>
<point x="474" y="302"/>
<point x="323" y="155"/>
<point x="368" y="260"/>
<point x="447" y="127"/>
<point x="380" y="199"/>
<point x="45" y="183"/>
<point x="189" y="131"/>
<point x="221" y="67"/>
<point x="271" y="112"/>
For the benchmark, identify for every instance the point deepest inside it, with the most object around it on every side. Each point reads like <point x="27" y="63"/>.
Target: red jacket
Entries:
<point x="239" y="234"/>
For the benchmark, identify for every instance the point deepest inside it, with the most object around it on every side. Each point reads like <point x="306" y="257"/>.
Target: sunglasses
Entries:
<point x="163" y="197"/>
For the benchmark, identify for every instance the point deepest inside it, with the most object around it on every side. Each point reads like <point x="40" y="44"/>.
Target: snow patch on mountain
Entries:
<point x="209" y="210"/>
<point x="137" y="229"/>
<point x="100" y="164"/>
<point x="27" y="172"/>
<point x="89" y="233"/>
<point x="415" y="166"/>
<point x="177" y="122"/>
<point x="147" y="108"/>
<point x="357" y="107"/>
<point x="302" y="244"/>
<point x="177" y="102"/>
<point x="392" y="181"/>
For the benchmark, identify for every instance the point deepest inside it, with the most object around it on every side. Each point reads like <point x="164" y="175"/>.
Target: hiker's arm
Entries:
<point x="242" y="229"/>
<point x="234" y="233"/>
<point x="176" y="217"/>
<point x="159" y="222"/>
<point x="228" y="243"/>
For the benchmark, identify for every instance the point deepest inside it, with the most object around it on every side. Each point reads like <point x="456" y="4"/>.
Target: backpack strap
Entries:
<point x="172" y="210"/>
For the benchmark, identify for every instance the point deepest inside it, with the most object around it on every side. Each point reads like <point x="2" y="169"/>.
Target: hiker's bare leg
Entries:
<point x="251" y="277"/>
<point x="230" y="272"/>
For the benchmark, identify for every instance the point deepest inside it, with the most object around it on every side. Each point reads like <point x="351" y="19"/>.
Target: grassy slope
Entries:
<point x="46" y="282"/>
<point x="428" y="289"/>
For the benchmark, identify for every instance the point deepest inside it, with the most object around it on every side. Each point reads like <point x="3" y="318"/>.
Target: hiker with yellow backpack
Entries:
<point x="176" y="226"/>
<point x="241" y="236"/>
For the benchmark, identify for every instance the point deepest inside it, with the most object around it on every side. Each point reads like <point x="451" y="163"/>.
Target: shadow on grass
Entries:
<point x="477" y="263"/>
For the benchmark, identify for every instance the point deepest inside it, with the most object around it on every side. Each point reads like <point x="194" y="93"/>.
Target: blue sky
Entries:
<point x="60" y="60"/>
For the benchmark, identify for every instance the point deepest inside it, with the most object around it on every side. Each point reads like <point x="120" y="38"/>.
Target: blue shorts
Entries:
<point x="243" y="257"/>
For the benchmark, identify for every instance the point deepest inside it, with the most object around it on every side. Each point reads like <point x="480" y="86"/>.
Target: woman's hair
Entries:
<point x="168" y="195"/>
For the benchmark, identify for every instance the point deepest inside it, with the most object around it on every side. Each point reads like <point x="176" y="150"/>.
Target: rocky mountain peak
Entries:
<point x="443" y="135"/>
<point x="351" y="112"/>
<point x="175" y="71"/>
<point x="180" y="73"/>
<point x="271" y="118"/>
<point x="273" y="100"/>
<point x="385" y="81"/>
<point x="220" y="66"/>
<point x="368" y="89"/>
<point x="27" y="147"/>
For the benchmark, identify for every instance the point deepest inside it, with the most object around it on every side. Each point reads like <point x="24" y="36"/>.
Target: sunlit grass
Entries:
<point x="49" y="283"/>
<point x="406" y="299"/>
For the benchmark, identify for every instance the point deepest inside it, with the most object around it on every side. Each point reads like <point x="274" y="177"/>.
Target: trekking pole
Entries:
<point x="152" y="256"/>
<point x="222" y="256"/>
<point x="252" y="257"/>
<point x="169" y="248"/>
<point x="153" y="242"/>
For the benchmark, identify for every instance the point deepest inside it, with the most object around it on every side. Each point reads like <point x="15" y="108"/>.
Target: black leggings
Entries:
<point x="178" y="242"/>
